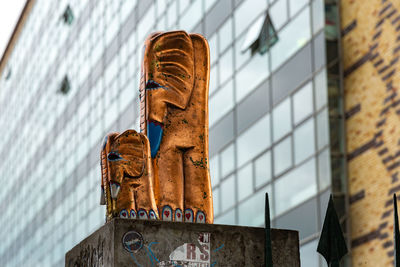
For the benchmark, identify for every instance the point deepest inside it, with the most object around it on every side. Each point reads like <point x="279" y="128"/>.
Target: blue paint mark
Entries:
<point x="151" y="252"/>
<point x="218" y="248"/>
<point x="135" y="260"/>
<point x="154" y="133"/>
<point x="105" y="142"/>
<point x="150" y="257"/>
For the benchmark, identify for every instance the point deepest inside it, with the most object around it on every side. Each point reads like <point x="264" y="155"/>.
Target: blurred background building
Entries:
<point x="70" y="74"/>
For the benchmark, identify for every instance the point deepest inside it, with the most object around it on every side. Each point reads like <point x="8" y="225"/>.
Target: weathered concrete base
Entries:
<point x="128" y="242"/>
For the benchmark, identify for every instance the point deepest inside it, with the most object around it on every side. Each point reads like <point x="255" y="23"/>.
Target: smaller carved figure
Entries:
<point x="127" y="176"/>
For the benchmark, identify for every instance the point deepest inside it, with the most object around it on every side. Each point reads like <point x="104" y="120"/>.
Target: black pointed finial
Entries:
<point x="332" y="245"/>
<point x="268" y="246"/>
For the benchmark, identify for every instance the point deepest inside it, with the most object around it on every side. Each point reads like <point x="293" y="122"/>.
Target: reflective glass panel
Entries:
<point x="241" y="57"/>
<point x="221" y="102"/>
<point x="192" y="16"/>
<point x="296" y="5"/>
<point x="252" y="34"/>
<point x="245" y="181"/>
<point x="146" y="23"/>
<point x="321" y="89"/>
<point x="172" y="13"/>
<point x="228" y="218"/>
<point x="251" y="75"/>
<point x="126" y="97"/>
<point x="212" y="43"/>
<point x="324" y="169"/>
<point x="295" y="186"/>
<point x="228" y="192"/>
<point x="303" y="219"/>
<point x="111" y="30"/>
<point x="254" y="140"/>
<point x="214" y="170"/>
<point x="291" y="38"/>
<point x="248" y="210"/>
<point x="308" y="255"/>
<point x="318" y="13"/>
<point x="323" y="128"/>
<point x="183" y="5"/>
<point x="126" y="8"/>
<point x="209" y="4"/>
<point x="278" y="13"/>
<point x="282" y="155"/>
<point x="161" y="5"/>
<point x="111" y="114"/>
<point x="304" y="141"/>
<point x="246" y="13"/>
<point x="216" y="202"/>
<point x="228" y="160"/>
<point x="111" y="72"/>
<point x="213" y="79"/>
<point x="225" y="35"/>
<point x="262" y="169"/>
<point x="225" y="66"/>
<point x="303" y="103"/>
<point x="282" y="122"/>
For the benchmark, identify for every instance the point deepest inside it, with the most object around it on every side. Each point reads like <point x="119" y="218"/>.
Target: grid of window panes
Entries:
<point x="269" y="127"/>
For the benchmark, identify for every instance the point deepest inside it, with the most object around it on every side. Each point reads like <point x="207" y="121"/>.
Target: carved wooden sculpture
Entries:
<point x="174" y="116"/>
<point x="127" y="176"/>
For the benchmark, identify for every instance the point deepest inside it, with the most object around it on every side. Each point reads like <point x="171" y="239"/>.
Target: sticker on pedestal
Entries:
<point x="191" y="255"/>
<point x="132" y="241"/>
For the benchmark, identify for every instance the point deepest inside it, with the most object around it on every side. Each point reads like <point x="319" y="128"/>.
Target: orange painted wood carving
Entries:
<point x="174" y="118"/>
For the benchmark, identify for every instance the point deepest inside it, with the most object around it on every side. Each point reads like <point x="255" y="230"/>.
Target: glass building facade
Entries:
<point x="269" y="116"/>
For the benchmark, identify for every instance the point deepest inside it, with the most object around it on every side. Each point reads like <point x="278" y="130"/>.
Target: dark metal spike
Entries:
<point x="268" y="246"/>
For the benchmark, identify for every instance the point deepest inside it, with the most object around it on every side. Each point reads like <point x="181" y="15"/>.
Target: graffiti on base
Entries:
<point x="91" y="256"/>
<point x="186" y="255"/>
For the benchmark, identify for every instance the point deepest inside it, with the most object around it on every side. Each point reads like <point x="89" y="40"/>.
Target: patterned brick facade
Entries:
<point x="371" y="50"/>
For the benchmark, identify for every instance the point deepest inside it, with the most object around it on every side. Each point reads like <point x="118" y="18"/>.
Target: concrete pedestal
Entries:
<point x="128" y="242"/>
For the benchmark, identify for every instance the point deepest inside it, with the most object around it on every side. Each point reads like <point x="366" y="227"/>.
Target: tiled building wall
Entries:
<point x="371" y="50"/>
<point x="269" y="128"/>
